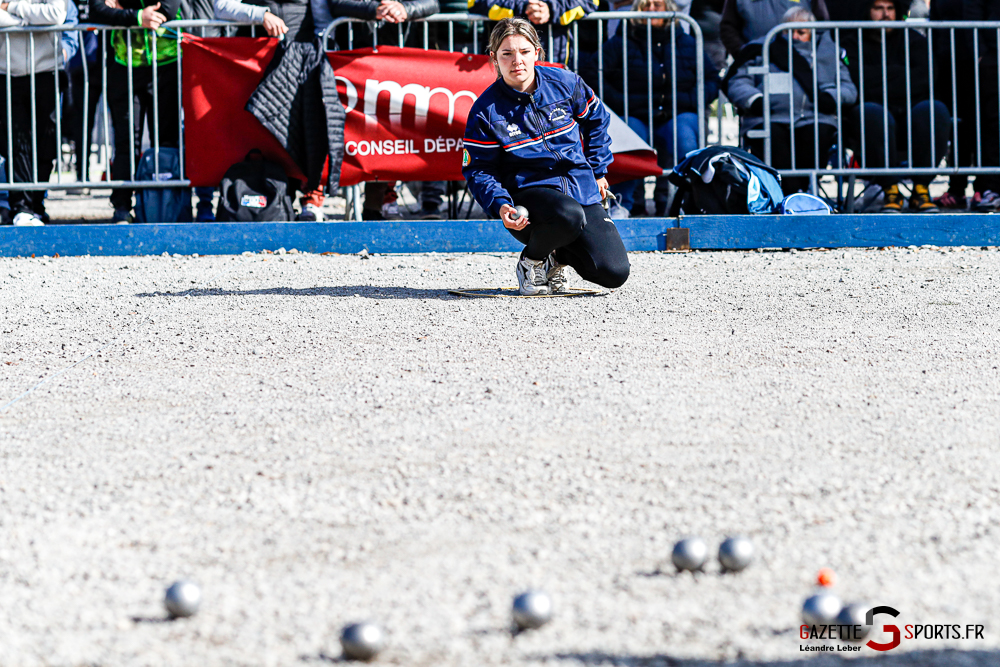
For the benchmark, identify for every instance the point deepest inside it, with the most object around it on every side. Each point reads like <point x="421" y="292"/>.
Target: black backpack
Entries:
<point x="725" y="180"/>
<point x="255" y="190"/>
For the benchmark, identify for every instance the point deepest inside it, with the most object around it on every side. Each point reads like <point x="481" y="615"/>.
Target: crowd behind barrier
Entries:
<point x="825" y="102"/>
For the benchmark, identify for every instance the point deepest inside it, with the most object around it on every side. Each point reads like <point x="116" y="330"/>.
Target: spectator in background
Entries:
<point x="388" y="16"/>
<point x="965" y="92"/>
<point x="593" y="33"/>
<point x="285" y="19"/>
<point x="291" y="19"/>
<point x="708" y="14"/>
<point x="18" y="59"/>
<point x="552" y="19"/>
<point x="137" y="46"/>
<point x="987" y="197"/>
<point x="744" y="21"/>
<point x="461" y="31"/>
<point x="78" y="101"/>
<point x="745" y="90"/>
<point x="380" y="196"/>
<point x="890" y="80"/>
<point x="462" y="37"/>
<point x="200" y="10"/>
<point x="663" y="121"/>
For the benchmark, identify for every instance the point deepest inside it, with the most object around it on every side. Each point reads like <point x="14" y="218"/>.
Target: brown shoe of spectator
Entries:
<point x="893" y="200"/>
<point x="920" y="201"/>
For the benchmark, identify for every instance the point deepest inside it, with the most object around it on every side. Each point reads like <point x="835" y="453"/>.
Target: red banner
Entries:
<point x="406" y="111"/>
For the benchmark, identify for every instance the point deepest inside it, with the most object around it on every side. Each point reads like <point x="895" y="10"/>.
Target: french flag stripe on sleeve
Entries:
<point x="472" y="143"/>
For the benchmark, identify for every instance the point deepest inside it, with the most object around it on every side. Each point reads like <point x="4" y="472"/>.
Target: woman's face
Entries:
<point x="656" y="6"/>
<point x="516" y="62"/>
<point x="802" y="34"/>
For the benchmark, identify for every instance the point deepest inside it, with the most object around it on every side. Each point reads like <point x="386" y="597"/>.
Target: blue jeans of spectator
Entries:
<point x="663" y="142"/>
<point x="899" y="137"/>
<point x="206" y="196"/>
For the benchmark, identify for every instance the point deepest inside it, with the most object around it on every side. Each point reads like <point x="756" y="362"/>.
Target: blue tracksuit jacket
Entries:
<point x="556" y="137"/>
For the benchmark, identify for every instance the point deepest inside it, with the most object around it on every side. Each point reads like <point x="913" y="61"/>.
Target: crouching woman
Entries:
<point x="538" y="138"/>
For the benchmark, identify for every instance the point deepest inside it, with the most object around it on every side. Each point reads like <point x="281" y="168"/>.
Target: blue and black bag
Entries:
<point x="725" y="180"/>
<point x="161" y="204"/>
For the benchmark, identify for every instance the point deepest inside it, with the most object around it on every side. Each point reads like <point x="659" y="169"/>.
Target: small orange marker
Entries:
<point x="826" y="577"/>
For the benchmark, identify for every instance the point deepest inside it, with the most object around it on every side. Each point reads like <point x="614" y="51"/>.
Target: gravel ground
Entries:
<point x="320" y="439"/>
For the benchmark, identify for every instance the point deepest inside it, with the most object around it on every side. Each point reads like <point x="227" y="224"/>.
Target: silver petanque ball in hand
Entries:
<point x="521" y="211"/>
<point x="821" y="609"/>
<point x="532" y="609"/>
<point x="182" y="599"/>
<point x="853" y="622"/>
<point x="735" y="553"/>
<point x="690" y="554"/>
<point x="362" y="641"/>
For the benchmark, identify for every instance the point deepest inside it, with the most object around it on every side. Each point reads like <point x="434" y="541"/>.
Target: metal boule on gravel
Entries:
<point x="853" y="622"/>
<point x="531" y="609"/>
<point x="182" y="599"/>
<point x="690" y="554"/>
<point x="362" y="641"/>
<point x="735" y="553"/>
<point x="821" y="609"/>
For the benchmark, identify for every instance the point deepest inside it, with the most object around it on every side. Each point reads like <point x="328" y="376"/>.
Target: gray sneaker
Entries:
<point x="555" y="275"/>
<point x="531" y="277"/>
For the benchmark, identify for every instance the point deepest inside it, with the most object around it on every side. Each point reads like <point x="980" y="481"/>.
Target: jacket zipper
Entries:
<point x="541" y="133"/>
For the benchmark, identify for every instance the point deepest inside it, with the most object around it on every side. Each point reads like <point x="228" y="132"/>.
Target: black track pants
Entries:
<point x="584" y="237"/>
<point x="129" y="138"/>
<point x="24" y="152"/>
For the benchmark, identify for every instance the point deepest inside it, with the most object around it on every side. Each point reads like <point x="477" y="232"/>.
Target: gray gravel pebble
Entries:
<point x="316" y="439"/>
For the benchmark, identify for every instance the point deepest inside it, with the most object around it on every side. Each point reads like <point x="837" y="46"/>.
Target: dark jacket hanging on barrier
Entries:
<point x="663" y="69"/>
<point x="297" y="102"/>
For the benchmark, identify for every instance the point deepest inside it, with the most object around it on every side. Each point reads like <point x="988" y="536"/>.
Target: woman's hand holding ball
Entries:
<point x="514" y="217"/>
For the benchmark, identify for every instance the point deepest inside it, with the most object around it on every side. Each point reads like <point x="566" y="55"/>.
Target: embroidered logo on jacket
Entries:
<point x="557" y="114"/>
<point x="513" y="130"/>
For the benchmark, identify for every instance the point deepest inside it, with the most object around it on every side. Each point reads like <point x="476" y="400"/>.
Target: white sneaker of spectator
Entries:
<point x="25" y="219"/>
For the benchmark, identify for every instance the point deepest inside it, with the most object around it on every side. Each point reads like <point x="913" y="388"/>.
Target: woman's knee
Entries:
<point x="615" y="275"/>
<point x="572" y="219"/>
